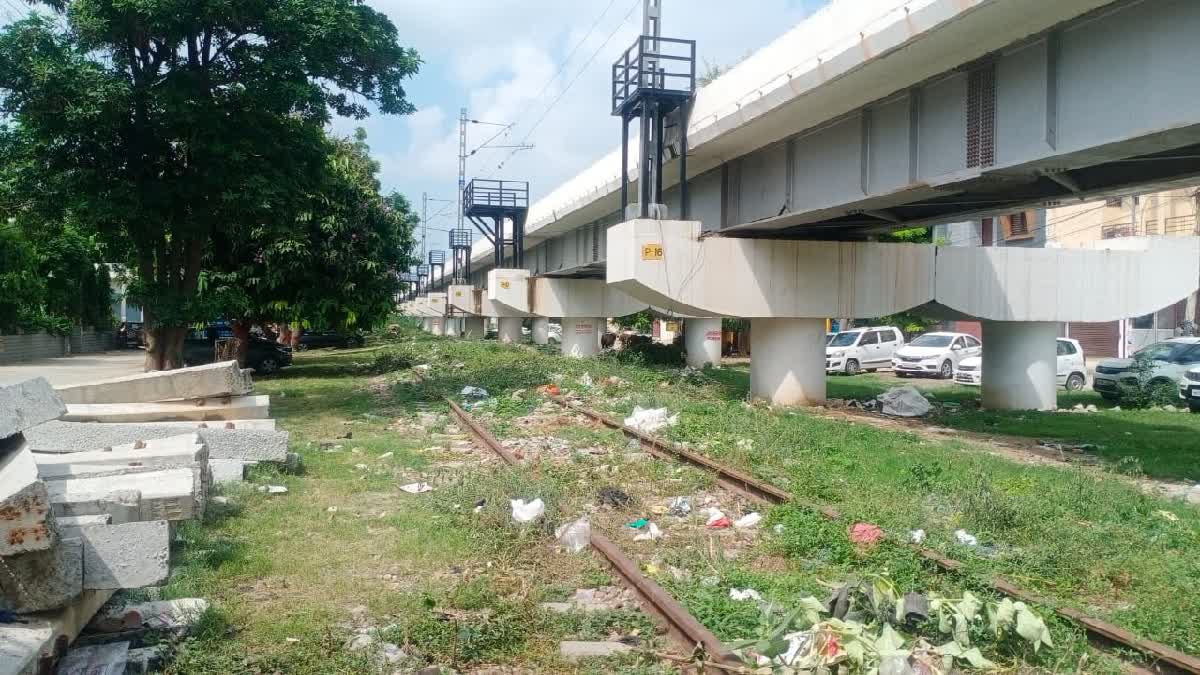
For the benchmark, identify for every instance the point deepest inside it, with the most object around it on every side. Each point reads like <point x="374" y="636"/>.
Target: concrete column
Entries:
<point x="788" y="362"/>
<point x="1020" y="364"/>
<point x="508" y="330"/>
<point x="541" y="330"/>
<point x="702" y="340"/>
<point x="474" y="327"/>
<point x="439" y="325"/>
<point x="427" y="324"/>
<point x="579" y="336"/>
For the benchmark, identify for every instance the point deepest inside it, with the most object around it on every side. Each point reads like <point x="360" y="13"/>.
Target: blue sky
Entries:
<point x="500" y="58"/>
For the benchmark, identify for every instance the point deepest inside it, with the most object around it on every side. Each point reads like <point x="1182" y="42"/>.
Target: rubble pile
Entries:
<point x="92" y="479"/>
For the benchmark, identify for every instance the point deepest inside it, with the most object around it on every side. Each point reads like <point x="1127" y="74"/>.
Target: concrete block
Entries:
<point x="246" y="444"/>
<point x="87" y="436"/>
<point x="207" y="381"/>
<point x="42" y="580"/>
<point x="25" y="520"/>
<point x="131" y="555"/>
<point x="167" y="494"/>
<point x="78" y="464"/>
<point x="28" y="404"/>
<point x="245" y="407"/>
<point x="227" y="470"/>
<point x="22" y="644"/>
<point x="106" y="659"/>
<point x="68" y="522"/>
<point x="573" y="650"/>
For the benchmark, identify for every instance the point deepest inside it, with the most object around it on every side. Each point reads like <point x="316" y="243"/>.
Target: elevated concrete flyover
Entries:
<point x="788" y="288"/>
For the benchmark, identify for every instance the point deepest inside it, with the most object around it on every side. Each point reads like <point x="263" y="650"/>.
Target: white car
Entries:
<point x="853" y="351"/>
<point x="936" y="354"/>
<point x="1072" y="370"/>
<point x="1160" y="363"/>
<point x="1189" y="389"/>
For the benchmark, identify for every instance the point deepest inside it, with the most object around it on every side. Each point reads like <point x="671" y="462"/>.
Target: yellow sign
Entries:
<point x="672" y="327"/>
<point x="652" y="252"/>
<point x="458" y="294"/>
<point x="504" y="283"/>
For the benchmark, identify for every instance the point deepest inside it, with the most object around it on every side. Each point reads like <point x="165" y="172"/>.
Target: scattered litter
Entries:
<point x="332" y="509"/>
<point x="778" y="529"/>
<point x="527" y="512"/>
<point x="550" y="389"/>
<point x="423" y="368"/>
<point x="611" y="496"/>
<point x="650" y="420"/>
<point x="416" y="488"/>
<point x="747" y="521"/>
<point x="914" y="608"/>
<point x="575" y="536"/>
<point x="652" y="533"/>
<point x="613" y="381"/>
<point x="291" y="640"/>
<point x="639" y="523"/>
<point x="745" y="443"/>
<point x="680" y="507"/>
<point x="479" y="505"/>
<point x="966" y="538"/>
<point x="916" y="536"/>
<point x="220" y="500"/>
<point x="710" y="581"/>
<point x="586" y="380"/>
<point x="904" y="402"/>
<point x="474" y="392"/>
<point x="865" y="534"/>
<point x="743" y="594"/>
<point x="1167" y="515"/>
<point x="386" y="455"/>
<point x="361" y="467"/>
<point x="272" y="489"/>
<point x="718" y="520"/>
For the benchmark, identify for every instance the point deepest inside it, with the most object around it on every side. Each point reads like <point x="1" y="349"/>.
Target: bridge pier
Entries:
<point x="580" y="337"/>
<point x="474" y="327"/>
<point x="541" y="330"/>
<point x="427" y="324"/>
<point x="508" y="329"/>
<point x="1020" y="365"/>
<point x="787" y="364"/>
<point x="702" y="340"/>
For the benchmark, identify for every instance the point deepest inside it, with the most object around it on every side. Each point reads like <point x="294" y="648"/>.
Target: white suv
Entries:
<point x="935" y="354"/>
<point x="1161" y="362"/>
<point x="860" y="349"/>
<point x="1189" y="389"/>
<point x="1072" y="370"/>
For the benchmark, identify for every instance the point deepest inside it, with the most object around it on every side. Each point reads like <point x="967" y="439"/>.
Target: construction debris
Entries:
<point x="88" y="492"/>
<point x="904" y="402"/>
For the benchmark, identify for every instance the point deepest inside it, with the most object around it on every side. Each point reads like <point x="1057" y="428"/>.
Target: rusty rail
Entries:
<point x="765" y="492"/>
<point x="681" y="625"/>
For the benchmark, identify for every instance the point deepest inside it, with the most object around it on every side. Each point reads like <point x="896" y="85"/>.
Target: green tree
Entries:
<point x="173" y="128"/>
<point x="51" y="278"/>
<point x="336" y="266"/>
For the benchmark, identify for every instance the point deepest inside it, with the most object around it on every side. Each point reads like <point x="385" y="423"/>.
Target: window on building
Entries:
<point x="1143" y="322"/>
<point x="985" y="232"/>
<point x="1020" y="223"/>
<point x="1114" y="202"/>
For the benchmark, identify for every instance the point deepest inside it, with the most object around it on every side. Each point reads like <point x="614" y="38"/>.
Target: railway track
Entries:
<point x="687" y="631"/>
<point x="764" y="492"/>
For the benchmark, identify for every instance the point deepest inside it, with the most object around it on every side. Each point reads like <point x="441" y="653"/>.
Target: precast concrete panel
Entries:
<point x="888" y="152"/>
<point x="942" y="125"/>
<point x="763" y="184"/>
<point x="704" y="191"/>
<point x="828" y="166"/>
<point x="1150" y="48"/>
<point x="1021" y="105"/>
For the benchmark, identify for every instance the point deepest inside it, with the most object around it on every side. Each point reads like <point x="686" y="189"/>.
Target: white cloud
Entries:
<point x="497" y="58"/>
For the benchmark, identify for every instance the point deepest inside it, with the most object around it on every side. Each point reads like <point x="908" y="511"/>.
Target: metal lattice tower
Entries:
<point x="653" y="79"/>
<point x="462" y="162"/>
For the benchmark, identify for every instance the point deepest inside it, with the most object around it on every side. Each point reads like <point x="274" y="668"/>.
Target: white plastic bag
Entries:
<point x="743" y="594"/>
<point x="747" y="521"/>
<point x="527" y="512"/>
<point x="904" y="402"/>
<point x="652" y="533"/>
<point x="416" y="488"/>
<point x="574" y="536"/>
<point x="650" y="420"/>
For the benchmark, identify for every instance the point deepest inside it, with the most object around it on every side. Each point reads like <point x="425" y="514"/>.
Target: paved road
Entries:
<point x="76" y="369"/>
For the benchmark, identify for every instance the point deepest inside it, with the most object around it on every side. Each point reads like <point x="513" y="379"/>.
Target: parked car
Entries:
<point x="829" y="338"/>
<point x="131" y="335"/>
<point x="936" y="354"/>
<point x="1154" y="365"/>
<point x="859" y="349"/>
<point x="1072" y="370"/>
<point x="264" y="356"/>
<point x="1189" y="389"/>
<point x="319" y="339"/>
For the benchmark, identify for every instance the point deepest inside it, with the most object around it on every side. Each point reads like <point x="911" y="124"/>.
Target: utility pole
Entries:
<point x="424" y="222"/>
<point x="462" y="163"/>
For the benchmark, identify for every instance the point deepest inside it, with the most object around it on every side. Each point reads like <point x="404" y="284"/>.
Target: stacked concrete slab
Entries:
<point x="86" y="507"/>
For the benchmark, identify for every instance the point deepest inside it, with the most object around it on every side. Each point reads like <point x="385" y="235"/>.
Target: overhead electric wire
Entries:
<point x="570" y="84"/>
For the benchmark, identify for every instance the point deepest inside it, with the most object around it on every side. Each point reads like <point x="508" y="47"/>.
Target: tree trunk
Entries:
<point x="294" y="339"/>
<point x="241" y="333"/>
<point x="164" y="347"/>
